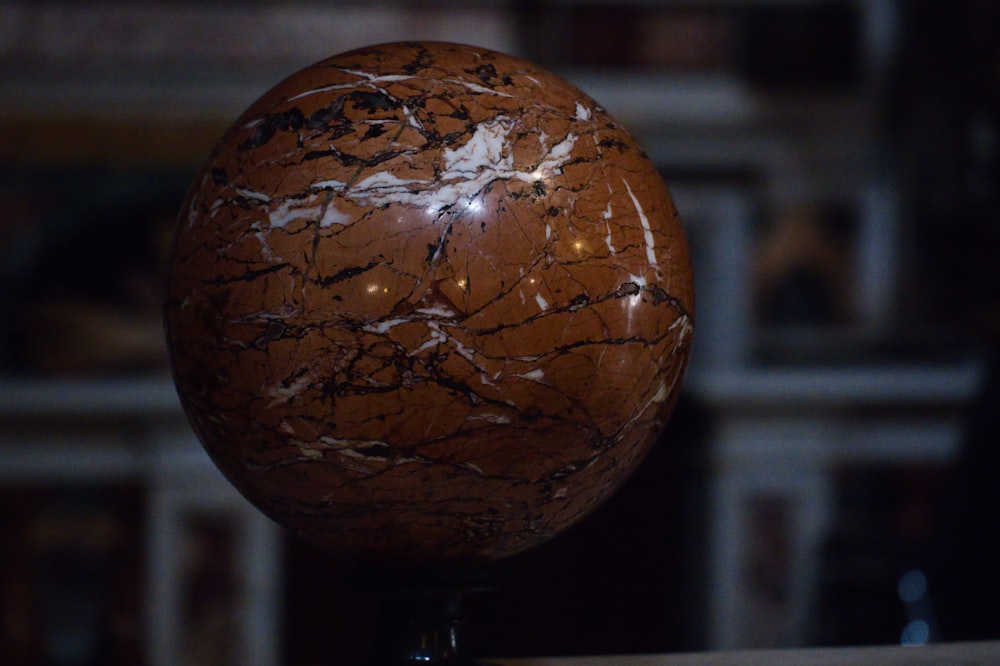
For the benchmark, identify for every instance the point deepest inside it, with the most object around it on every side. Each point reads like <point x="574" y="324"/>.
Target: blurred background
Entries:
<point x="829" y="477"/>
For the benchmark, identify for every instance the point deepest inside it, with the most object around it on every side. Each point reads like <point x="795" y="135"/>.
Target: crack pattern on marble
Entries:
<point x="428" y="301"/>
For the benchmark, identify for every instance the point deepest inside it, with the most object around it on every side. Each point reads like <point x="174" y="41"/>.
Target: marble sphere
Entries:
<point x="428" y="303"/>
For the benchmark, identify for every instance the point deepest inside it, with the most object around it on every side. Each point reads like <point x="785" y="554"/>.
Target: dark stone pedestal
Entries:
<point x="420" y="618"/>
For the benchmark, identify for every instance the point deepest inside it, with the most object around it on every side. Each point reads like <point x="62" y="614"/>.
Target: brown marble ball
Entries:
<point x="428" y="302"/>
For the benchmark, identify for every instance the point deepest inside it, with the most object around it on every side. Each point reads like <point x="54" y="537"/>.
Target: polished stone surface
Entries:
<point x="428" y="302"/>
<point x="951" y="654"/>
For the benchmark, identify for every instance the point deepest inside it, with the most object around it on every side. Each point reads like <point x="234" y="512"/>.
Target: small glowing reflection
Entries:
<point x="462" y="283"/>
<point x="630" y="305"/>
<point x="374" y="288"/>
<point x="917" y="632"/>
<point x="912" y="586"/>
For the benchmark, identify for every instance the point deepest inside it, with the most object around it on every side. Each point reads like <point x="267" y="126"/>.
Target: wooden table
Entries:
<point x="953" y="654"/>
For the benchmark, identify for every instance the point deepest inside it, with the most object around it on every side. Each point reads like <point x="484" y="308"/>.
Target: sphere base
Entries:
<point x="420" y="620"/>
